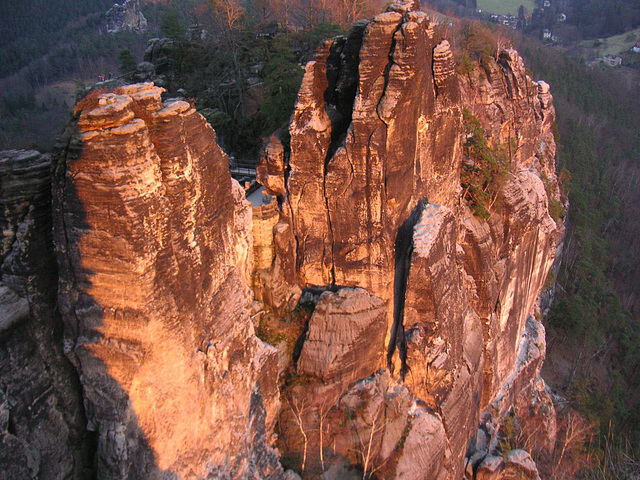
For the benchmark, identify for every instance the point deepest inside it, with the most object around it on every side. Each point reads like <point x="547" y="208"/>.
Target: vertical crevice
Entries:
<point x="403" y="254"/>
<point x="386" y="74"/>
<point x="342" y="79"/>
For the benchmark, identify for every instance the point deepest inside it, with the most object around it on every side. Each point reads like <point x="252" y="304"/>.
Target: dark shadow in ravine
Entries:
<point x="403" y="253"/>
<point x="43" y="410"/>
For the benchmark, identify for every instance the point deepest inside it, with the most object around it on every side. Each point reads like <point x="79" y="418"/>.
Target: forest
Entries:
<point x="235" y="45"/>
<point x="593" y="323"/>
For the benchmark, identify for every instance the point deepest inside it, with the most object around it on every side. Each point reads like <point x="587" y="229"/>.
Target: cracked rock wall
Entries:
<point x="153" y="240"/>
<point x="376" y="141"/>
<point x="42" y="418"/>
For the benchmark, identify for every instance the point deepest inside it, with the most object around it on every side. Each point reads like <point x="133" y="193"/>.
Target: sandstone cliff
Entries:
<point x="422" y="337"/>
<point x="445" y="299"/>
<point x="153" y="240"/>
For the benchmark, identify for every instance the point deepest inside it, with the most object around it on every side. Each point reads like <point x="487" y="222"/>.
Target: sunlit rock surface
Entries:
<point x="153" y="240"/>
<point x="345" y="332"/>
<point x="424" y="335"/>
<point x="374" y="201"/>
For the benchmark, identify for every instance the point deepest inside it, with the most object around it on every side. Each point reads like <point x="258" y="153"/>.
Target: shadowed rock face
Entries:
<point x="153" y="239"/>
<point x="41" y="413"/>
<point x="126" y="16"/>
<point x="154" y="253"/>
<point x="377" y="134"/>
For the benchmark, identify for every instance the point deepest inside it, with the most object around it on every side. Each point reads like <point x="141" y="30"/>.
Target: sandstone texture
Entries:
<point x="373" y="201"/>
<point x="127" y="337"/>
<point x="516" y="465"/>
<point x="270" y="170"/>
<point x="153" y="240"/>
<point x="345" y="331"/>
<point x="42" y="423"/>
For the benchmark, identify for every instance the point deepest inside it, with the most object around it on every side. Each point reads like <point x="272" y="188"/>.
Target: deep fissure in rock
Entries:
<point x="310" y="295"/>
<point x="343" y="78"/>
<point x="403" y="253"/>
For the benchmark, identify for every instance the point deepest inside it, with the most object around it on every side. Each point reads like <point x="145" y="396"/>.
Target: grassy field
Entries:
<point x="505" y="6"/>
<point x="616" y="44"/>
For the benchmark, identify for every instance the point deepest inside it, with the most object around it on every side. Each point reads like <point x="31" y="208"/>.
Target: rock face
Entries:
<point x="367" y="124"/>
<point x="517" y="464"/>
<point x="127" y="16"/>
<point x="136" y="346"/>
<point x="373" y="201"/>
<point x="153" y="240"/>
<point x="42" y="423"/>
<point x="345" y="331"/>
<point x="270" y="171"/>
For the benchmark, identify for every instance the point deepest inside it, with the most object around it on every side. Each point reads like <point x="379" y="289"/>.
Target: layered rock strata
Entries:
<point x="42" y="421"/>
<point x="423" y="328"/>
<point x="153" y="240"/>
<point x="373" y="201"/>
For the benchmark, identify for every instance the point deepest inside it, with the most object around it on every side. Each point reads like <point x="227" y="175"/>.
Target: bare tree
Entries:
<point x="229" y="13"/>
<point x="324" y="409"/>
<point x="283" y="9"/>
<point x="299" y="409"/>
<point x="309" y="13"/>
<point x="367" y="439"/>
<point x="575" y="433"/>
<point x="263" y="10"/>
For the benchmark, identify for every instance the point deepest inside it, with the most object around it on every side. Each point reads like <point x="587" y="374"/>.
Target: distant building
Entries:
<point x="636" y="47"/>
<point x="547" y="3"/>
<point x="546" y="34"/>
<point x="612" y="60"/>
<point x="510" y="21"/>
<point x="267" y="31"/>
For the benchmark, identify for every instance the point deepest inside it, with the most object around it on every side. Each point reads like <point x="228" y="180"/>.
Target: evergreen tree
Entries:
<point x="127" y="62"/>
<point x="172" y="26"/>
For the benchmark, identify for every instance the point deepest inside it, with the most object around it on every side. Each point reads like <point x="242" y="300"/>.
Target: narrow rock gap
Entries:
<point x="387" y="68"/>
<point x="342" y="77"/>
<point x="312" y="293"/>
<point x="403" y="253"/>
<point x="433" y="72"/>
<point x="59" y="161"/>
<point x="59" y="171"/>
<point x="507" y="71"/>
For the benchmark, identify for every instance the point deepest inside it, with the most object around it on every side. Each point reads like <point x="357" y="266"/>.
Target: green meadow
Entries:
<point x="616" y="44"/>
<point x="505" y="6"/>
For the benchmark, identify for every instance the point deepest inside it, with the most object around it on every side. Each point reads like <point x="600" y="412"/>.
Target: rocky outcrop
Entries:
<point x="373" y="201"/>
<point x="127" y="16"/>
<point x="517" y="464"/>
<point x="423" y="337"/>
<point x="42" y="423"/>
<point x="356" y="147"/>
<point x="153" y="240"/>
<point x="270" y="170"/>
<point x="344" y="334"/>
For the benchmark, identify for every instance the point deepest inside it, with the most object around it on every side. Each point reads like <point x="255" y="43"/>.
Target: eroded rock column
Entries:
<point x="154" y="244"/>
